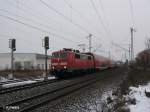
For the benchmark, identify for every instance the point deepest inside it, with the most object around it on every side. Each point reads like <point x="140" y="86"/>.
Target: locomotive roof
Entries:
<point x="73" y="51"/>
<point x="86" y="53"/>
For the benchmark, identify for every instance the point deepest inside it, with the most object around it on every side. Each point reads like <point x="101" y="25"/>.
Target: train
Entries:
<point x="68" y="61"/>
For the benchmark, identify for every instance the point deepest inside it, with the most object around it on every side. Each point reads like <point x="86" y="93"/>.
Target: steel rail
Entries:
<point x="29" y="103"/>
<point x="26" y="86"/>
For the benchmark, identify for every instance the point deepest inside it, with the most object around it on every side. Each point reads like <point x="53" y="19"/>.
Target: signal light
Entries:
<point x="46" y="42"/>
<point x="12" y="44"/>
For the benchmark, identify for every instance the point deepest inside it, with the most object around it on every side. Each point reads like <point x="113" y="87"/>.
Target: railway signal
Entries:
<point x="12" y="46"/>
<point x="46" y="42"/>
<point x="46" y="47"/>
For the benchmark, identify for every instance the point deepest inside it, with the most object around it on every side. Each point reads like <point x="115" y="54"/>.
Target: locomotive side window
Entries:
<point x="59" y="55"/>
<point x="89" y="57"/>
<point x="77" y="56"/>
<point x="84" y="57"/>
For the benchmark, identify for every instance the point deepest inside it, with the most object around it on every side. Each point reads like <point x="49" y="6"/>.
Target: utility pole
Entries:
<point x="129" y="51"/>
<point x="132" y="49"/>
<point x="46" y="47"/>
<point x="109" y="55"/>
<point x="12" y="46"/>
<point x="90" y="42"/>
<point x="125" y="56"/>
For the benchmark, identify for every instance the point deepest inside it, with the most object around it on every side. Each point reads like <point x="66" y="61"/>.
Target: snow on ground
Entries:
<point x="12" y="84"/>
<point x="142" y="102"/>
<point x="49" y="78"/>
<point x="3" y="79"/>
<point x="17" y="83"/>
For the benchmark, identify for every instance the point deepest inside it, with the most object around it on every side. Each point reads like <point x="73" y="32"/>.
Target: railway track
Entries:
<point x="28" y="104"/>
<point x="26" y="86"/>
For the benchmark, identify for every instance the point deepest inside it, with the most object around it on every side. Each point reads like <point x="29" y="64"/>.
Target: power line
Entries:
<point x="97" y="48"/>
<point x="2" y="35"/>
<point x="33" y="21"/>
<point x="37" y="16"/>
<point x="132" y="12"/>
<point x="70" y="7"/>
<point x="101" y="21"/>
<point x="36" y="12"/>
<point x="29" y="42"/>
<point x="99" y="16"/>
<point x="35" y="27"/>
<point x="80" y="14"/>
<point x="103" y="11"/>
<point x="120" y="47"/>
<point x="65" y="17"/>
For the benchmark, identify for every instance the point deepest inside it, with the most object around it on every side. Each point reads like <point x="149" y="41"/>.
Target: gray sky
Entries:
<point x="69" y="22"/>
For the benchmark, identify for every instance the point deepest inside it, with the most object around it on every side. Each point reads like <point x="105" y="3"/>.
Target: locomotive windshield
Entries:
<point x="59" y="55"/>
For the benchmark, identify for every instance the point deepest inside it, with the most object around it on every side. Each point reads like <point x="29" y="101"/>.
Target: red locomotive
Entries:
<point x="68" y="61"/>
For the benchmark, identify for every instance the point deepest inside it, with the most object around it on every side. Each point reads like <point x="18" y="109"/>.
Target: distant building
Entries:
<point x="23" y="61"/>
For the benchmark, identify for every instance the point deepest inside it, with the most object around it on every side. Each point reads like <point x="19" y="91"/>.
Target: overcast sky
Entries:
<point x="69" y="22"/>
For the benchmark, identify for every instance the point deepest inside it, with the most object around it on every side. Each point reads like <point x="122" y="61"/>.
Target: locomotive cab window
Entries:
<point x="63" y="55"/>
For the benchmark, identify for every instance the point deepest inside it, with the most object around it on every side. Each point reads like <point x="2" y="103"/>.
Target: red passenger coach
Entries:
<point x="68" y="61"/>
<point x="101" y="62"/>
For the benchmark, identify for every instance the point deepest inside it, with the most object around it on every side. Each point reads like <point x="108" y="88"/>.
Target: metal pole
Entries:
<point x="129" y="53"/>
<point x="132" y="50"/>
<point x="46" y="64"/>
<point x="90" y="42"/>
<point x="109" y="55"/>
<point x="125" y="56"/>
<point x="12" y="62"/>
<point x="46" y="46"/>
<point x="12" y="46"/>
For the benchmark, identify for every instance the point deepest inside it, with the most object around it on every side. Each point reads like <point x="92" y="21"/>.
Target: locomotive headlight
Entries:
<point x="53" y="67"/>
<point x="65" y="67"/>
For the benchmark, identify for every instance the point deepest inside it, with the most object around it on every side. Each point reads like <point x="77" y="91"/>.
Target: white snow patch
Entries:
<point x="49" y="78"/>
<point x="52" y="77"/>
<point x="3" y="79"/>
<point x="23" y="82"/>
<point x="17" y="83"/>
<point x="142" y="102"/>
